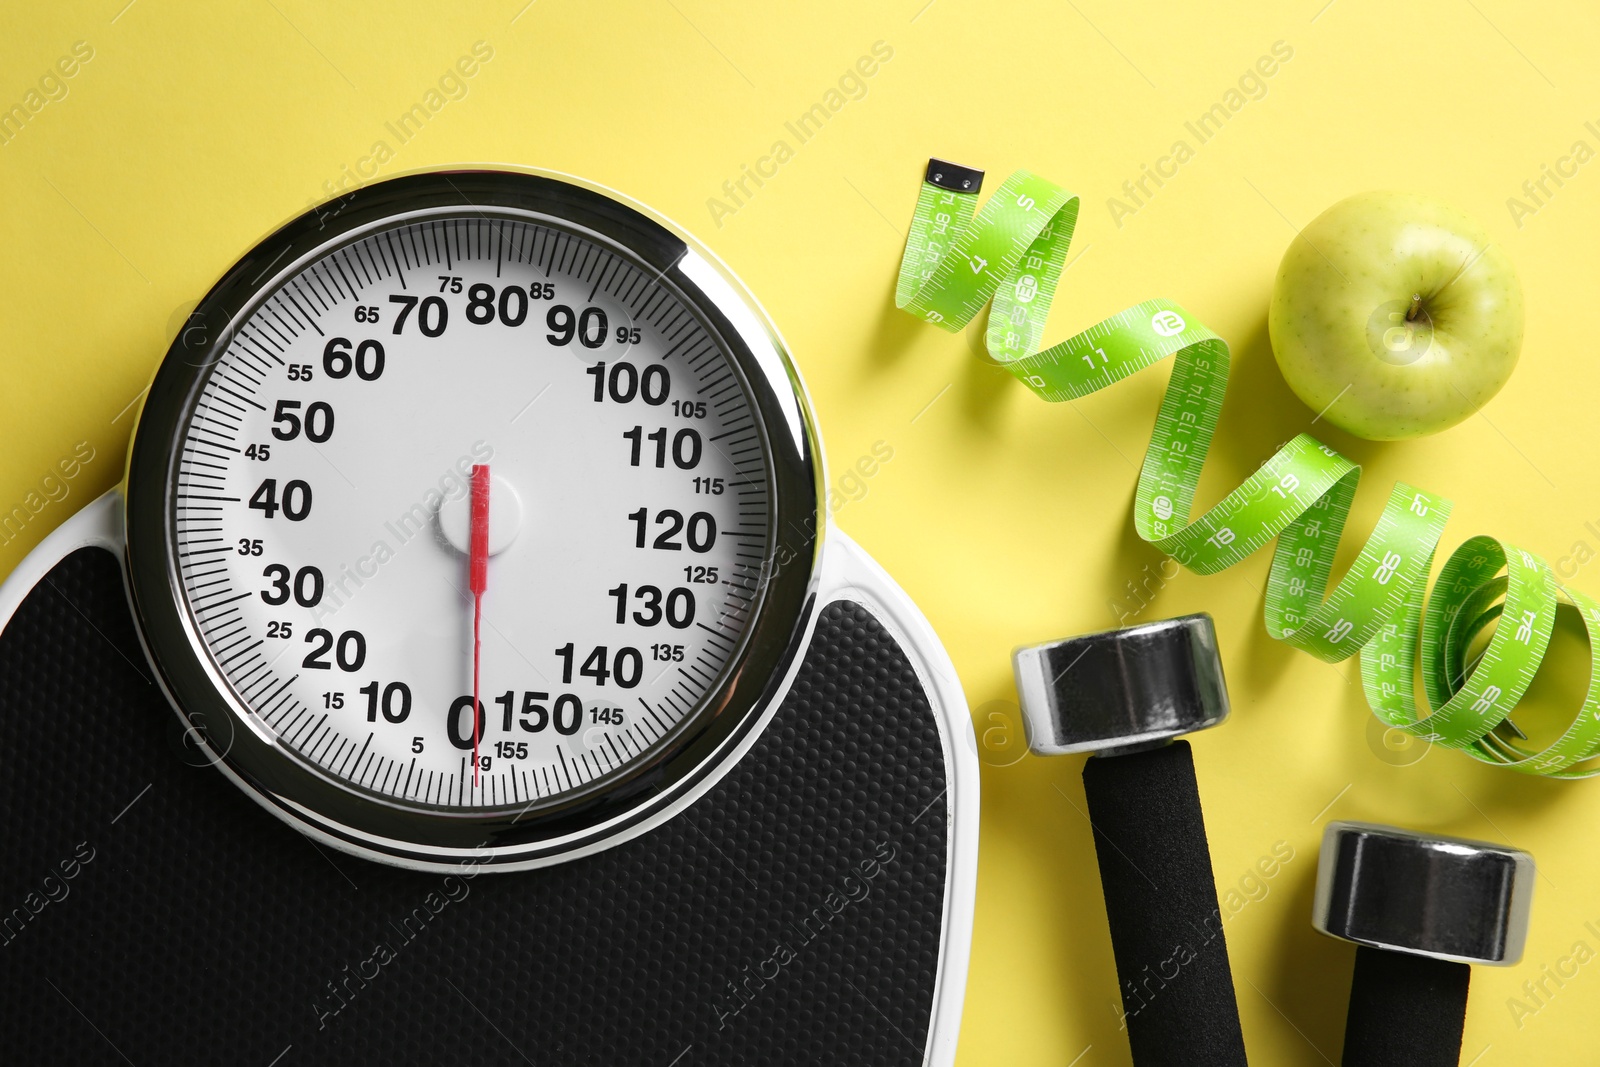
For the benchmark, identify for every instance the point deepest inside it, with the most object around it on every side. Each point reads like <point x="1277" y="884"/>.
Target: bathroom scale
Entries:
<point x="466" y="670"/>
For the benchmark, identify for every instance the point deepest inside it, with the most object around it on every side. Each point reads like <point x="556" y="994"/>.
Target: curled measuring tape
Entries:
<point x="1012" y="254"/>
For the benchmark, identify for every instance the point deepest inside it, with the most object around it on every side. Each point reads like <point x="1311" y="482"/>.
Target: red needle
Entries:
<point x="478" y="580"/>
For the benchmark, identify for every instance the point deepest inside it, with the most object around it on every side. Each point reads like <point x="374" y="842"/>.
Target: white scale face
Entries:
<point x="322" y="502"/>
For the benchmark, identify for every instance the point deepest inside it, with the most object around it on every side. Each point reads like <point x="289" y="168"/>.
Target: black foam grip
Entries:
<point x="1405" y="1011"/>
<point x="150" y="913"/>
<point x="1161" y="901"/>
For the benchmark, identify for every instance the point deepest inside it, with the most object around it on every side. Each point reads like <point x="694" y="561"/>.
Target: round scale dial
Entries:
<point x="324" y="495"/>
<point x="468" y="449"/>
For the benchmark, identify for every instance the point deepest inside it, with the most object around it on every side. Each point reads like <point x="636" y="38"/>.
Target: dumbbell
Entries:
<point x="1419" y="908"/>
<point x="1126" y="695"/>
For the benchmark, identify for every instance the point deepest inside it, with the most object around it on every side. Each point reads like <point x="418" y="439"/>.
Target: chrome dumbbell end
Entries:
<point x="1445" y="898"/>
<point x="1121" y="690"/>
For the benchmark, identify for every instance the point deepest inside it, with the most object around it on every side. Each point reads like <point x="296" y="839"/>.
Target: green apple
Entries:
<point x="1395" y="316"/>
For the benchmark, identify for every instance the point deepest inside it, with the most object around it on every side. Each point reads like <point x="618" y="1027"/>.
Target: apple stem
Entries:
<point x="1416" y="306"/>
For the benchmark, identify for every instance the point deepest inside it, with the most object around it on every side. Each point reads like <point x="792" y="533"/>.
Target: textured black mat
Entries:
<point x="152" y="914"/>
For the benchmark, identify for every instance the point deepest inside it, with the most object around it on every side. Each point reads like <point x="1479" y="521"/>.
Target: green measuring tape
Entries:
<point x="1012" y="254"/>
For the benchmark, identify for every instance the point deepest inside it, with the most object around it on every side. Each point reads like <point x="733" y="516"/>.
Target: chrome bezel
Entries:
<point x="431" y="836"/>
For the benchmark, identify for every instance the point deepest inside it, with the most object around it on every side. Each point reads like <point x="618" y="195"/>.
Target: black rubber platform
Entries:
<point x="150" y="913"/>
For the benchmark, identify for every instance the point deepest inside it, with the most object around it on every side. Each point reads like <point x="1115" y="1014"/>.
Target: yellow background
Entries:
<point x="197" y="128"/>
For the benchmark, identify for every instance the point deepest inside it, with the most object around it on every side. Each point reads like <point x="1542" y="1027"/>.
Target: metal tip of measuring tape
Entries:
<point x="953" y="176"/>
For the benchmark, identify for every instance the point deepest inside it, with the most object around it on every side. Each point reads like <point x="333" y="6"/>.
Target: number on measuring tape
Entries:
<point x="1386" y="567"/>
